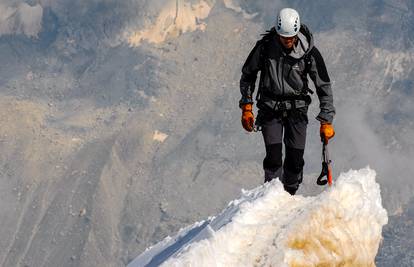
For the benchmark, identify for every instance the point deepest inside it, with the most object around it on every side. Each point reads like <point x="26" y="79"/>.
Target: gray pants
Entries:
<point x="291" y="128"/>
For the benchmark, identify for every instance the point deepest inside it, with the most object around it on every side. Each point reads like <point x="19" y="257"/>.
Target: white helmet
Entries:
<point x="288" y="22"/>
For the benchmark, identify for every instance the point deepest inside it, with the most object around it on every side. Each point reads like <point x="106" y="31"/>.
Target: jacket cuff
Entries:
<point x="324" y="118"/>
<point x="245" y="100"/>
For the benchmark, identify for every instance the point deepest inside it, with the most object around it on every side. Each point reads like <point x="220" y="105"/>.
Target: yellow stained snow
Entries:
<point x="176" y="18"/>
<point x="337" y="233"/>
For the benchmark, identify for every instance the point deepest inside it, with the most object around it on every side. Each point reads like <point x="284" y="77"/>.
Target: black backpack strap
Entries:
<point x="266" y="37"/>
<point x="308" y="65"/>
<point x="308" y="61"/>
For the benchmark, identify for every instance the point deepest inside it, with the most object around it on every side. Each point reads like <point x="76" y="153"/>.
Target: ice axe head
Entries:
<point x="326" y="168"/>
<point x="326" y="171"/>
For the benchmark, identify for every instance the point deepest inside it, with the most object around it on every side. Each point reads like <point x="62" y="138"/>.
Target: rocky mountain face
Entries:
<point x="121" y="123"/>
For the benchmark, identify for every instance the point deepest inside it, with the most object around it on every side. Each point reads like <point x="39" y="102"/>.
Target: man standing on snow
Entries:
<point x="284" y="57"/>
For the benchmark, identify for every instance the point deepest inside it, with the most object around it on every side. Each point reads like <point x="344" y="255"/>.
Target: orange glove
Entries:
<point x="247" y="118"/>
<point x="327" y="131"/>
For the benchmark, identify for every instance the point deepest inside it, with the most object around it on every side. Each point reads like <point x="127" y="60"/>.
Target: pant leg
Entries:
<point x="293" y="169"/>
<point x="272" y="163"/>
<point x="272" y="131"/>
<point x="295" y="140"/>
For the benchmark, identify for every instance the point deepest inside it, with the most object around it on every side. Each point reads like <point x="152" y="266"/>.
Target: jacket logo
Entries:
<point x="295" y="67"/>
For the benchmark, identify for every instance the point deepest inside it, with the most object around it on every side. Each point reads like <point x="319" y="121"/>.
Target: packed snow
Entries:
<point x="268" y="227"/>
<point x="18" y="17"/>
<point x="176" y="18"/>
<point x="159" y="136"/>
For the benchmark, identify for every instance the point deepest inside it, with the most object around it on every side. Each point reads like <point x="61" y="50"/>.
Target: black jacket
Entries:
<point x="283" y="74"/>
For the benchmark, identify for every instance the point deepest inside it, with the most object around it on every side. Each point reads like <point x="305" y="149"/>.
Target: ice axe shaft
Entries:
<point x="326" y="175"/>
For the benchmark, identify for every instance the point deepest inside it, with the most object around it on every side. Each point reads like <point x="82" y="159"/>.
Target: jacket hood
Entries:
<point x="304" y="44"/>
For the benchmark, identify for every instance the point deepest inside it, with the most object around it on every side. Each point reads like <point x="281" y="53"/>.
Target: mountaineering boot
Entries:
<point x="291" y="181"/>
<point x="291" y="189"/>
<point x="270" y="175"/>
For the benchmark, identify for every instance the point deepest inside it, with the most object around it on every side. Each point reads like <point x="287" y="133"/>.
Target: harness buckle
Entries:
<point x="282" y="106"/>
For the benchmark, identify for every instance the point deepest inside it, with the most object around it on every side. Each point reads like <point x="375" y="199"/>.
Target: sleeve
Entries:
<point x="320" y="78"/>
<point x="249" y="74"/>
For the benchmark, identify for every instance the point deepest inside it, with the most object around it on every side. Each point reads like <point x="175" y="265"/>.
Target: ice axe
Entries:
<point x="326" y="166"/>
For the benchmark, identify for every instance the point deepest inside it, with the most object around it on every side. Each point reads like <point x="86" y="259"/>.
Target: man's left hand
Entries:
<point x="327" y="131"/>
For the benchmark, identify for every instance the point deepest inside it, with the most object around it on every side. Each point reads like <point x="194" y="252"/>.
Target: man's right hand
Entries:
<point x="247" y="118"/>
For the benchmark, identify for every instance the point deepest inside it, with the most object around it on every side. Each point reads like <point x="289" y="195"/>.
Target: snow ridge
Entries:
<point x="268" y="227"/>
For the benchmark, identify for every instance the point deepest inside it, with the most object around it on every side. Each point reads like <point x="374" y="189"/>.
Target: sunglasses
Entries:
<point x="288" y="38"/>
